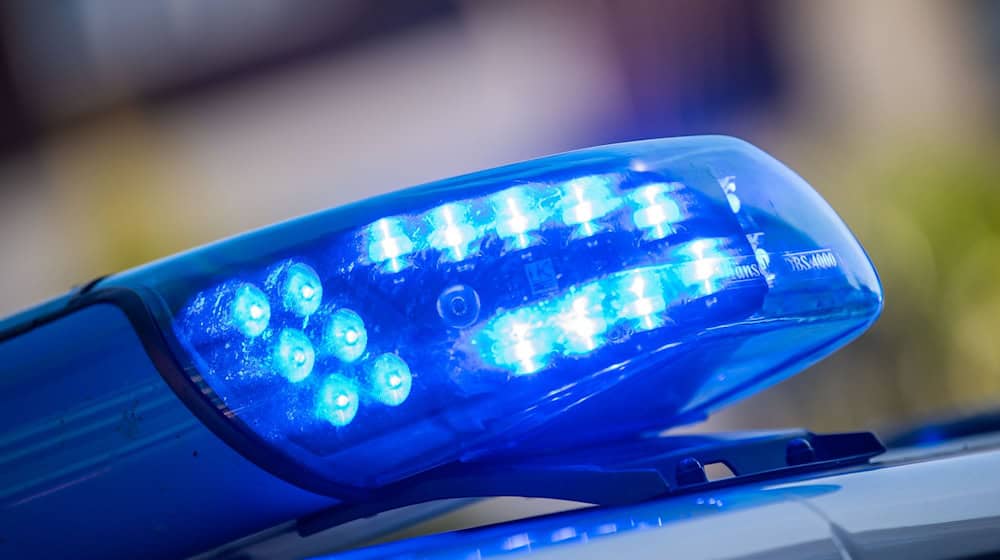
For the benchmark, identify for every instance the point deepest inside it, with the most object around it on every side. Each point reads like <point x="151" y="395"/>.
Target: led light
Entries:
<point x="452" y="231"/>
<point x="338" y="400"/>
<point x="582" y="321"/>
<point x="518" y="212"/>
<point x="345" y="335"/>
<point x="300" y="288"/>
<point x="655" y="210"/>
<point x="294" y="355"/>
<point x="520" y="341"/>
<point x="708" y="267"/>
<point x="388" y="244"/>
<point x="586" y="200"/>
<point x="389" y="379"/>
<point x="250" y="311"/>
<point x="642" y="298"/>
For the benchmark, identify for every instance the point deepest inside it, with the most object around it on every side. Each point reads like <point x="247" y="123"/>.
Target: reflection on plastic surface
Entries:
<point x="490" y="311"/>
<point x="574" y="530"/>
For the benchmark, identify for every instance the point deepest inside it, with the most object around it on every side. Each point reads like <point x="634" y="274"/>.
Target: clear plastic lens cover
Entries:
<point x="572" y="299"/>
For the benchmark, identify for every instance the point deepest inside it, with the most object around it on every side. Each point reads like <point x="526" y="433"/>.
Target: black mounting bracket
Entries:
<point x="613" y="474"/>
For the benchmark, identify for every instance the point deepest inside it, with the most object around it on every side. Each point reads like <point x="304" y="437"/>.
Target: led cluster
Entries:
<point x="516" y="215"/>
<point x="277" y="317"/>
<point x="387" y="380"/>
<point x="323" y="349"/>
<point x="526" y="339"/>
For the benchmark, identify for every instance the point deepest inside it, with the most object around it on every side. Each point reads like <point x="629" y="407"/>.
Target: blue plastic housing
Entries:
<point x="556" y="303"/>
<point x="100" y="459"/>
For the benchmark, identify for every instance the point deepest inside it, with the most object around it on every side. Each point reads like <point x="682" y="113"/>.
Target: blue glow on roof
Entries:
<point x="389" y="379"/>
<point x="250" y="312"/>
<point x="294" y="355"/>
<point x="345" y="335"/>
<point x="300" y="288"/>
<point x="519" y="212"/>
<point x="655" y="209"/>
<point x="452" y="231"/>
<point x="582" y="533"/>
<point x="388" y="244"/>
<point x="586" y="200"/>
<point x="484" y="310"/>
<point x="338" y="400"/>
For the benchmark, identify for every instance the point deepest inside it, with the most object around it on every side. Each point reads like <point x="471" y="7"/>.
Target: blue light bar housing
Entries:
<point x="560" y="303"/>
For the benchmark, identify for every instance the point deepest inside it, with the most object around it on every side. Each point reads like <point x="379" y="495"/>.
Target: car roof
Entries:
<point x="936" y="502"/>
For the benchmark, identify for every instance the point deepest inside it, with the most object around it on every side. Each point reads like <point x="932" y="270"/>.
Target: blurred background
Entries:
<point x="132" y="130"/>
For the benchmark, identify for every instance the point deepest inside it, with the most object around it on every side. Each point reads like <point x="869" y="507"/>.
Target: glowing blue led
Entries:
<point x="642" y="300"/>
<point x="293" y="355"/>
<point x="581" y="320"/>
<point x="345" y="335"/>
<point x="389" y="379"/>
<point x="338" y="401"/>
<point x="708" y="267"/>
<point x="518" y="212"/>
<point x="523" y="340"/>
<point x="301" y="290"/>
<point x="453" y="232"/>
<point x="388" y="244"/>
<point x="655" y="210"/>
<point x="520" y="341"/>
<point x="250" y="311"/>
<point x="586" y="200"/>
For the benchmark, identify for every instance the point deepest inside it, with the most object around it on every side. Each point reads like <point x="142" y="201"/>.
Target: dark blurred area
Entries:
<point x="132" y="130"/>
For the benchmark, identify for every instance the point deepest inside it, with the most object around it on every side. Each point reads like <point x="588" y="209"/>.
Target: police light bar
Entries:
<point x="540" y="308"/>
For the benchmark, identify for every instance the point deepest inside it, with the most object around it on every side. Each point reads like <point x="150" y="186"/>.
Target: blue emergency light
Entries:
<point x="396" y="346"/>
